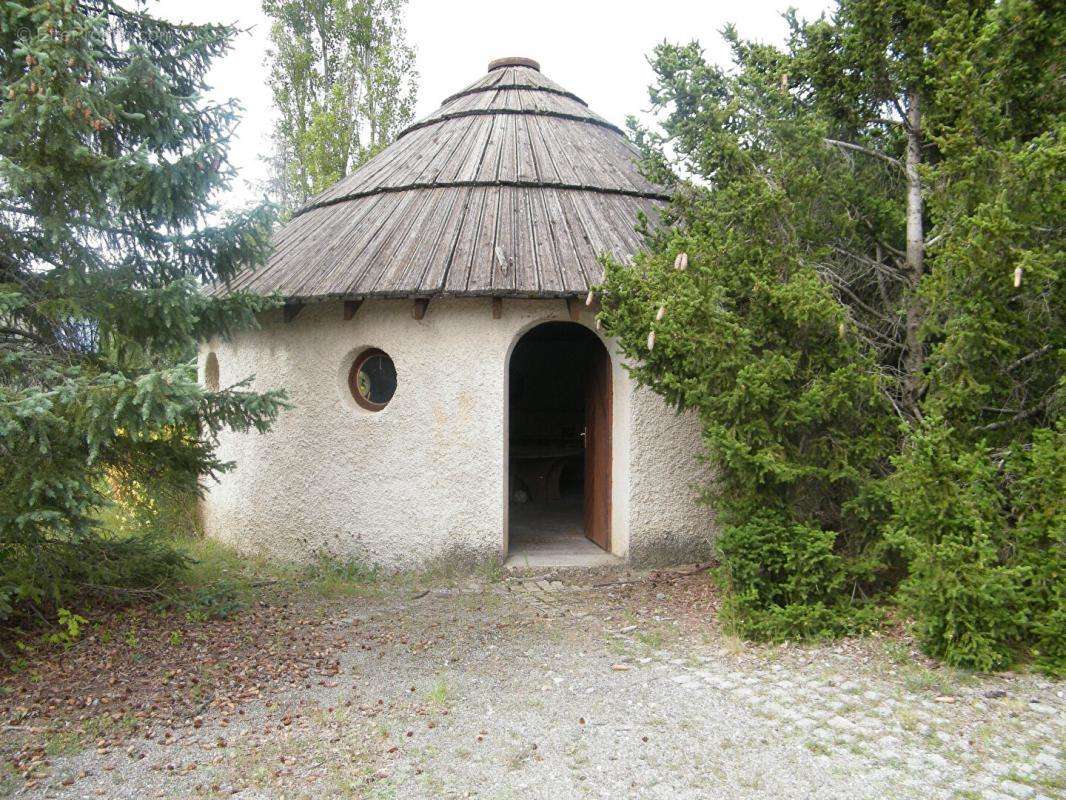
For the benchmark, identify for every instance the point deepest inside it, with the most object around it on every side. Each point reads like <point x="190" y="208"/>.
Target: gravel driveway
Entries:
<point x="534" y="688"/>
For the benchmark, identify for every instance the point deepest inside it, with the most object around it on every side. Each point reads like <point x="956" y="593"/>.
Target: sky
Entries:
<point x="597" y="49"/>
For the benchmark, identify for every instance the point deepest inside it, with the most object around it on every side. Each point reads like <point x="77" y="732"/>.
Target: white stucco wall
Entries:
<point x="424" y="478"/>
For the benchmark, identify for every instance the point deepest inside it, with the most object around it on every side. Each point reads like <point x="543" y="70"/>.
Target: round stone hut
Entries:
<point x="452" y="397"/>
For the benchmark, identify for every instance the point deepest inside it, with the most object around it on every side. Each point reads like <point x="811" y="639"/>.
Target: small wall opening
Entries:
<point x="549" y="465"/>
<point x="211" y="372"/>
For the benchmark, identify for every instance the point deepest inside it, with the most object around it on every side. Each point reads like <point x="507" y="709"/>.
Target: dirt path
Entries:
<point x="540" y="689"/>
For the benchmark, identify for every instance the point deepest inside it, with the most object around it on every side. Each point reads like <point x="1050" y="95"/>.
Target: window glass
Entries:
<point x="373" y="380"/>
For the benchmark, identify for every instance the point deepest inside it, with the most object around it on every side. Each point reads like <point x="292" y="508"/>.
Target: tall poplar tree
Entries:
<point x="110" y="163"/>
<point x="344" y="85"/>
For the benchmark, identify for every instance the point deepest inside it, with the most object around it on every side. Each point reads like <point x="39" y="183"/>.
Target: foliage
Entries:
<point x="344" y="83"/>
<point x="979" y="486"/>
<point x="70" y="626"/>
<point x="110" y="160"/>
<point x="986" y="545"/>
<point x="997" y="290"/>
<point x="138" y="506"/>
<point x="853" y="211"/>
<point x="793" y="410"/>
<point x="218" y="601"/>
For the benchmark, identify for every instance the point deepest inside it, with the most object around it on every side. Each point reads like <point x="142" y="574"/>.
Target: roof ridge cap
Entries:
<point x="513" y="61"/>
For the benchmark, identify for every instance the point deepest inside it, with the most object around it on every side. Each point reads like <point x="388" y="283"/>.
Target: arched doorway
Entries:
<point x="559" y="444"/>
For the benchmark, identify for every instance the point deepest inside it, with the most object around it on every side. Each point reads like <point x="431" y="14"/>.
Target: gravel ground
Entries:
<point x="535" y="688"/>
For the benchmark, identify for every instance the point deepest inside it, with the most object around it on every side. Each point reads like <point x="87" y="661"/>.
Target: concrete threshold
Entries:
<point x="569" y="551"/>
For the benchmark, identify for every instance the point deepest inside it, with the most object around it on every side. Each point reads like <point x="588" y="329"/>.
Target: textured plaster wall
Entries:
<point x="425" y="478"/>
<point x="668" y="524"/>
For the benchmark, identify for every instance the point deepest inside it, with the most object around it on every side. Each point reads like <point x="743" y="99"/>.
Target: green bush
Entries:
<point x="129" y="551"/>
<point x="37" y="578"/>
<point x="788" y="581"/>
<point x="749" y="337"/>
<point x="984" y="538"/>
<point x="1037" y="485"/>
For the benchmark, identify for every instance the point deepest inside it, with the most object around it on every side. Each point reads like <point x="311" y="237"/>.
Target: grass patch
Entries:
<point x="943" y="680"/>
<point x="64" y="742"/>
<point x="329" y="578"/>
<point x="221" y="580"/>
<point x="440" y="695"/>
<point x="898" y="653"/>
<point x="907" y="719"/>
<point x="652" y="639"/>
<point x="818" y="748"/>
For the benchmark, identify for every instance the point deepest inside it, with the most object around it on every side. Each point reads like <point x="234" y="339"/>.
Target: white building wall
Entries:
<point x="425" y="478"/>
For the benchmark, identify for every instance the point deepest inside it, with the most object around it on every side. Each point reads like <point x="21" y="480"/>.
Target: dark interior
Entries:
<point x="547" y="413"/>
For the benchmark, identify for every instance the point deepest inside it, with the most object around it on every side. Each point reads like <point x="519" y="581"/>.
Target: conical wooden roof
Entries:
<point x="512" y="188"/>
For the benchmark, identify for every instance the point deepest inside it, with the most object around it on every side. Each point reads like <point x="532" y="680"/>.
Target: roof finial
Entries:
<point x="513" y="61"/>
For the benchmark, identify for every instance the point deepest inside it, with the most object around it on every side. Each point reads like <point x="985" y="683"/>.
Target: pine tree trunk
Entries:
<point x="914" y="356"/>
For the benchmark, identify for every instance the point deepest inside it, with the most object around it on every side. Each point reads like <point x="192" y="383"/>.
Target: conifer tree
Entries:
<point x="869" y="318"/>
<point x="111" y="163"/>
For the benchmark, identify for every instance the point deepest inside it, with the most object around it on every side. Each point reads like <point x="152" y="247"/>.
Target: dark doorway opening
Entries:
<point x="559" y="444"/>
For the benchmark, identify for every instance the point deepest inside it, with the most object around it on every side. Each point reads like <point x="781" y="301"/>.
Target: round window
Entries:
<point x="372" y="380"/>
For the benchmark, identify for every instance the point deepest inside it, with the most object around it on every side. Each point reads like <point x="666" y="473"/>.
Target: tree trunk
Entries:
<point x="914" y="357"/>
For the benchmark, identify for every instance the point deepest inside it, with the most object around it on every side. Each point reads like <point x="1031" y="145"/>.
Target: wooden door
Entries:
<point x="598" y="447"/>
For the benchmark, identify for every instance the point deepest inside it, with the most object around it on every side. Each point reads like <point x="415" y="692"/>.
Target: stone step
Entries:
<point x="519" y="570"/>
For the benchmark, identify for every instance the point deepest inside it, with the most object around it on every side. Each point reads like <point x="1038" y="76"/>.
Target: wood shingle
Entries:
<point x="512" y="188"/>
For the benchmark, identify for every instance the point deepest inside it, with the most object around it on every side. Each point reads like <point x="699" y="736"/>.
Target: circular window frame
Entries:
<point x="353" y="379"/>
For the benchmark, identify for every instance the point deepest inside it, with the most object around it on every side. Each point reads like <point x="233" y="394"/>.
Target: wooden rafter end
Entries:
<point x="350" y="307"/>
<point x="291" y="310"/>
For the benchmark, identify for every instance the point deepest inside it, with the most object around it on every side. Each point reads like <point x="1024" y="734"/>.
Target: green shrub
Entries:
<point x="127" y="552"/>
<point x="984" y="538"/>
<point x="789" y="581"/>
<point x="1035" y="476"/>
<point x="786" y="297"/>
<point x="37" y="578"/>
<point x="794" y="416"/>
